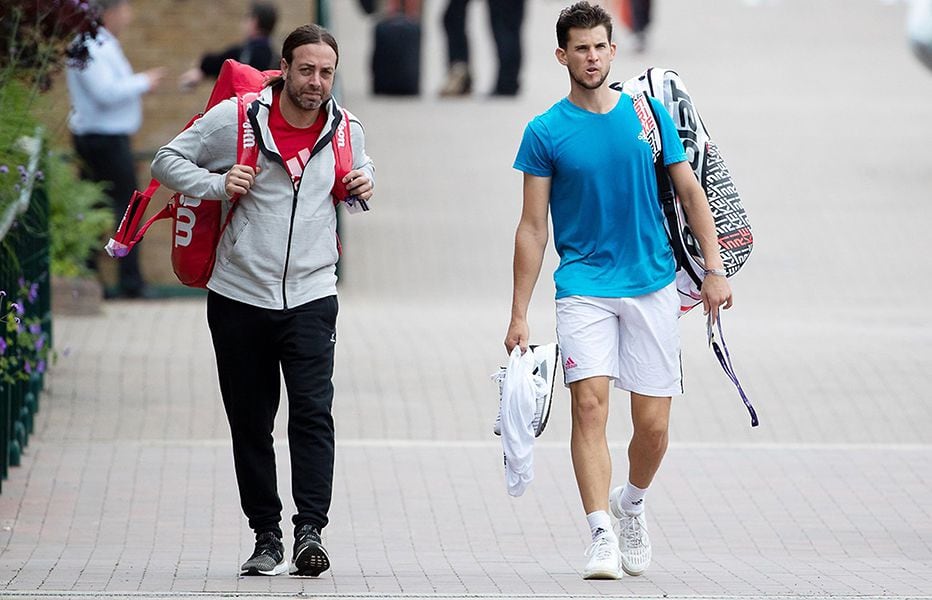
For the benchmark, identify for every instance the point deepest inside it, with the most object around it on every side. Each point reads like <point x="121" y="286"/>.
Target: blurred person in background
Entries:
<point x="919" y="29"/>
<point x="636" y="15"/>
<point x="505" y="19"/>
<point x="106" y="109"/>
<point x="255" y="50"/>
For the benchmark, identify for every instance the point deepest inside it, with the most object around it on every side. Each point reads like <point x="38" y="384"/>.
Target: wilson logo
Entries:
<point x="341" y="135"/>
<point x="185" y="220"/>
<point x="249" y="137"/>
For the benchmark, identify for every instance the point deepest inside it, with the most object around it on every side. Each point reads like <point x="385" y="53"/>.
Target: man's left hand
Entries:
<point x="716" y="292"/>
<point x="358" y="184"/>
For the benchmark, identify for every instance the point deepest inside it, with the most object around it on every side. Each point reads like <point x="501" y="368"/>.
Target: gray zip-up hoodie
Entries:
<point x="280" y="249"/>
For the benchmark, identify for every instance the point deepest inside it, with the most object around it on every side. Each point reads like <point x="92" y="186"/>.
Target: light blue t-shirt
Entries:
<point x="607" y="221"/>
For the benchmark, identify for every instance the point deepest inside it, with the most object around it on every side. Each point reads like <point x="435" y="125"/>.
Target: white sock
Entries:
<point x="632" y="499"/>
<point x="599" y="524"/>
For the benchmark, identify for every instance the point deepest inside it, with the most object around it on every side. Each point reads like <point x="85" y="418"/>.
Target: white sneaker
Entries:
<point x="633" y="540"/>
<point x="604" y="559"/>
<point x="545" y="358"/>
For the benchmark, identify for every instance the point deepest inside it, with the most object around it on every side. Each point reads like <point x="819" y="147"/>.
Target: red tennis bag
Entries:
<point x="198" y="224"/>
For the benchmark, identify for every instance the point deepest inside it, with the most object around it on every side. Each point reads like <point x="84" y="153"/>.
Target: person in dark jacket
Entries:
<point x="255" y="51"/>
<point x="505" y="19"/>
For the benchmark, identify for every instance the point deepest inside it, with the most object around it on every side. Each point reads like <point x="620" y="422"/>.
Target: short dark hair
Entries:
<point x="265" y="15"/>
<point x="581" y="15"/>
<point x="311" y="33"/>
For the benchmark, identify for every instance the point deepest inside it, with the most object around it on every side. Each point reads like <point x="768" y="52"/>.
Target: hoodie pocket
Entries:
<point x="231" y="237"/>
<point x="255" y="248"/>
<point x="313" y="246"/>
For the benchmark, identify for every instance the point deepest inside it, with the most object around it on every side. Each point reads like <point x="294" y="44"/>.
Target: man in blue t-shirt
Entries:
<point x="588" y="161"/>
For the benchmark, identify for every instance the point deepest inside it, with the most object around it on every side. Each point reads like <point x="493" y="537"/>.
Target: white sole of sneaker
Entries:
<point x="633" y="573"/>
<point x="602" y="575"/>
<point x="278" y="570"/>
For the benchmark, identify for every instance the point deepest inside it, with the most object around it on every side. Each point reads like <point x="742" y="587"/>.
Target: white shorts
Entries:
<point x="635" y="341"/>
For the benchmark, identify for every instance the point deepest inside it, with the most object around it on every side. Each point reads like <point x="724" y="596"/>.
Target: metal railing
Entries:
<point x="24" y="265"/>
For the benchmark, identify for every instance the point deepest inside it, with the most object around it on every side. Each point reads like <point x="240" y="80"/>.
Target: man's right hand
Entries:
<point x="518" y="335"/>
<point x="239" y="180"/>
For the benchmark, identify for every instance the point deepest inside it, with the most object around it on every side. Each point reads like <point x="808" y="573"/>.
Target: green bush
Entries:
<point x="79" y="218"/>
<point x="15" y="122"/>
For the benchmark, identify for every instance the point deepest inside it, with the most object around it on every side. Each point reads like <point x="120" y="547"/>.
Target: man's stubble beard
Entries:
<point x="588" y="86"/>
<point x="297" y="100"/>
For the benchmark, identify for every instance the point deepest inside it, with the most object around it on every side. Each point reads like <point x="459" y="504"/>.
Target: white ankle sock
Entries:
<point x="632" y="499"/>
<point x="599" y="524"/>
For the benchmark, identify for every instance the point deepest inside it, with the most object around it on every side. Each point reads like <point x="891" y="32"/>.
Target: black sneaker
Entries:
<point x="268" y="557"/>
<point x="310" y="557"/>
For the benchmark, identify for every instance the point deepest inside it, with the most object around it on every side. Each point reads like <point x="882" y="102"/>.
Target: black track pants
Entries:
<point x="251" y="345"/>
<point x="109" y="159"/>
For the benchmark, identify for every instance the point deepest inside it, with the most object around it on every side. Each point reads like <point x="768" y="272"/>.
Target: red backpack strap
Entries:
<point x="343" y="163"/>
<point x="247" y="149"/>
<point x="129" y="232"/>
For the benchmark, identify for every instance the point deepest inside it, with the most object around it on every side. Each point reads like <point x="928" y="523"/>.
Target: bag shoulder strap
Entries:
<point x="247" y="150"/>
<point x="650" y="124"/>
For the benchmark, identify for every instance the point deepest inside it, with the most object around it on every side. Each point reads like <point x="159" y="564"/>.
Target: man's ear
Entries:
<point x="561" y="56"/>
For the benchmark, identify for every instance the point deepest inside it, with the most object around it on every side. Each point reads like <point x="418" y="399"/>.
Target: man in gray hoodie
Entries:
<point x="272" y="296"/>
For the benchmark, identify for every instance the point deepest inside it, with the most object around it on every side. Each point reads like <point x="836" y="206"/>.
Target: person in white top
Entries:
<point x="106" y="109"/>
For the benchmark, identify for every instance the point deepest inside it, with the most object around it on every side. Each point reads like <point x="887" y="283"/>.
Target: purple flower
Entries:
<point x="2" y="293"/>
<point x="2" y="346"/>
<point x="35" y="328"/>
<point x="21" y="169"/>
<point x="33" y="292"/>
<point x="4" y="169"/>
<point x="40" y="368"/>
<point x="18" y="307"/>
<point x="40" y="176"/>
<point x="27" y="367"/>
<point x="40" y="342"/>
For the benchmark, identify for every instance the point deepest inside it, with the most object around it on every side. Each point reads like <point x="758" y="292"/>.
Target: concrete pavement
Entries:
<point x="127" y="488"/>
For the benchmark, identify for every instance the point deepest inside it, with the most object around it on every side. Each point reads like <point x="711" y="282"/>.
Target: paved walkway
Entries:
<point x="127" y="488"/>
